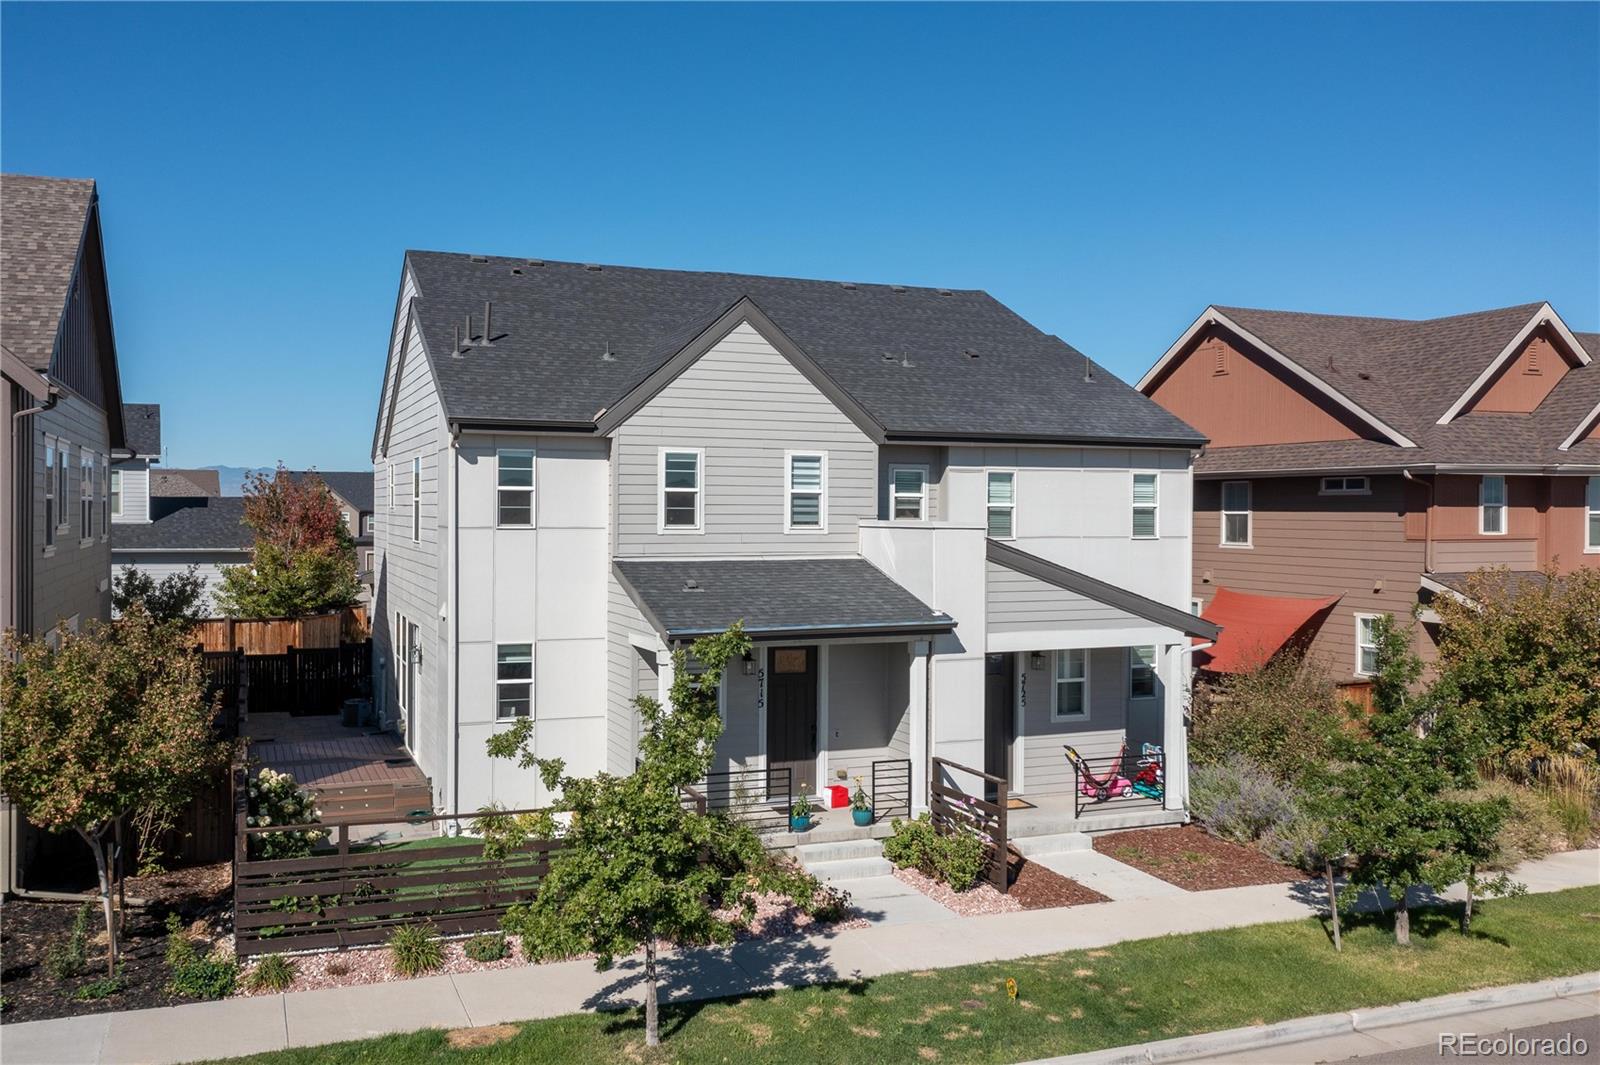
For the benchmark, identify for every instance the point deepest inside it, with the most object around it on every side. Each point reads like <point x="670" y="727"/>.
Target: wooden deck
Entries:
<point x="358" y="774"/>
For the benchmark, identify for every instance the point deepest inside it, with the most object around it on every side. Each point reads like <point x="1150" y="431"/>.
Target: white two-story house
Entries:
<point x="947" y="532"/>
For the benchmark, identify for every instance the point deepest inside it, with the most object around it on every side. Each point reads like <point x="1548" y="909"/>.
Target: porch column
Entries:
<point x="664" y="674"/>
<point x="917" y="707"/>
<point x="1174" y="736"/>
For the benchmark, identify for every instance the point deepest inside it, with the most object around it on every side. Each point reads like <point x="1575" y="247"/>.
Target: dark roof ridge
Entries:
<point x="1378" y="320"/>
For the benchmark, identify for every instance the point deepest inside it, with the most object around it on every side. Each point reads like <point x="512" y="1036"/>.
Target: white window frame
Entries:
<point x="1502" y="506"/>
<point x="1248" y="512"/>
<point x="1591" y="516"/>
<point x="1360" y="671"/>
<point x="368" y="525"/>
<point x="393" y="499"/>
<point x="699" y="490"/>
<point x="531" y="488"/>
<point x="922" y="496"/>
<point x="416" y="500"/>
<point x="789" y="493"/>
<point x="1134" y="661"/>
<point x="402" y="663"/>
<point x="105" y="496"/>
<point x="1328" y="488"/>
<point x="502" y="682"/>
<point x="1154" y="506"/>
<point x="52" y="498"/>
<point x="1011" y="506"/>
<point x="1196" y="607"/>
<point x="86" y="468"/>
<point x="1056" y="680"/>
<point x="116" y="493"/>
<point x="368" y="556"/>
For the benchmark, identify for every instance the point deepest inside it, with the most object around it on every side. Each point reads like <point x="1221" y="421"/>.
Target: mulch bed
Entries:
<point x="1038" y="888"/>
<point x="1190" y="858"/>
<point x="28" y="928"/>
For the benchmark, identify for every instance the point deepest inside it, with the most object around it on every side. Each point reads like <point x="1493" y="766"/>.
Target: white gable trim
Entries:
<point x="1213" y="316"/>
<point x="1544" y="314"/>
<point x="1583" y="427"/>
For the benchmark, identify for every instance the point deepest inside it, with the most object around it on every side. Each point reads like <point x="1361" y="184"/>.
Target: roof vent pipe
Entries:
<point x="488" y="331"/>
<point x="1088" y="369"/>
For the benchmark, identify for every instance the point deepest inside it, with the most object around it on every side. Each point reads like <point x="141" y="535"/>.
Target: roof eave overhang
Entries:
<point x="1583" y="426"/>
<point x="115" y="547"/>
<point x="914" y="436"/>
<point x="520" y="425"/>
<point x="1545" y="314"/>
<point x="772" y="633"/>
<point x="1559" y="468"/>
<point x="1212" y="316"/>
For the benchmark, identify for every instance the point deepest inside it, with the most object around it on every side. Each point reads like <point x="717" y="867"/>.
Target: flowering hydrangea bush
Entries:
<point x="275" y="799"/>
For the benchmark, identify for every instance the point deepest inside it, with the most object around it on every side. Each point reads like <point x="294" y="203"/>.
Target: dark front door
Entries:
<point x="792" y="716"/>
<point x="999" y="716"/>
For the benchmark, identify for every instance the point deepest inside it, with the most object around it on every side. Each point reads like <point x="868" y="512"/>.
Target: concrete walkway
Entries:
<point x="1116" y="880"/>
<point x="246" y="1026"/>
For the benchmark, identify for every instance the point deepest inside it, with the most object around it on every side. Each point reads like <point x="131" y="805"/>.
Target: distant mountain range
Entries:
<point x="231" y="478"/>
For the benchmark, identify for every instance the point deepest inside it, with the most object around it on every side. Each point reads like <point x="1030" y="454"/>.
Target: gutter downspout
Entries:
<point x="453" y="625"/>
<point x="1427" y="521"/>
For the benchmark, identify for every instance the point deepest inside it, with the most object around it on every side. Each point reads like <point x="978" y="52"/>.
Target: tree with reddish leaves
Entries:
<point x="304" y="560"/>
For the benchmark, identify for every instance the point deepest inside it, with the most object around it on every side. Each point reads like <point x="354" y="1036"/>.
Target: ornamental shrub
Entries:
<point x="66" y="959"/>
<point x="416" y="949"/>
<point x="193" y="975"/>
<point x="275" y="799"/>
<point x="1237" y="799"/>
<point x="491" y="946"/>
<point x="956" y="859"/>
<point x="1280" y="716"/>
<point x="272" y="973"/>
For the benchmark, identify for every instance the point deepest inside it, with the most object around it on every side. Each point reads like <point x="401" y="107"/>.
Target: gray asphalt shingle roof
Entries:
<point x="554" y="321"/>
<point x="184" y="484"/>
<point x="214" y="523"/>
<point x="354" y="486"/>
<point x="44" y="223"/>
<point x="141" y="428"/>
<point x="788" y="598"/>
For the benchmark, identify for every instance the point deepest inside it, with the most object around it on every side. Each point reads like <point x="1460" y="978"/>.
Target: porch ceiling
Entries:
<point x="783" y="599"/>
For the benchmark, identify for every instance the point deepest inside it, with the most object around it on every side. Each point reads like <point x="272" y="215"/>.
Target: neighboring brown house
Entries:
<point x="1374" y="462"/>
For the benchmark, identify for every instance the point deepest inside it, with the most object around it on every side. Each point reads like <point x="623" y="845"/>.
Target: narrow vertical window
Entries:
<point x="807" y="492"/>
<point x="513" y="680"/>
<point x="1141" y="672"/>
<point x="514" y="488"/>
<point x="1492" y="505"/>
<point x="1236" y="513"/>
<point x="116" y="493"/>
<point x="49" y="493"/>
<point x="1366" y="645"/>
<point x="413" y="653"/>
<point x="398" y="639"/>
<point x="1144" y="506"/>
<point x="86" y="493"/>
<point x="105" y="495"/>
<point x="392" y="501"/>
<point x="908" y="493"/>
<point x="1592" y="505"/>
<point x="1071" y="695"/>
<point x="681" y="507"/>
<point x="1002" y="503"/>
<point x="416" y="500"/>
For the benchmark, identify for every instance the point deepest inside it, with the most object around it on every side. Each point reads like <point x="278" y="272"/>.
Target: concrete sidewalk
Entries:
<point x="236" y="1027"/>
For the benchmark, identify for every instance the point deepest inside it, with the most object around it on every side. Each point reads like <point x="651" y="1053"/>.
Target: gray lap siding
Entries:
<point x="72" y="579"/>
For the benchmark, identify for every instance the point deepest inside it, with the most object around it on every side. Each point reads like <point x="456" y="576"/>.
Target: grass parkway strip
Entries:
<point x="1065" y="1003"/>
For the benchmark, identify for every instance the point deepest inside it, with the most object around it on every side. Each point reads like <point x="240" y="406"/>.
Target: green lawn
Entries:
<point x="1081" y="1000"/>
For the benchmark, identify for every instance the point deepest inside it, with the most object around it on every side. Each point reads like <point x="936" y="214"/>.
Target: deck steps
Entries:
<point x="844" y="859"/>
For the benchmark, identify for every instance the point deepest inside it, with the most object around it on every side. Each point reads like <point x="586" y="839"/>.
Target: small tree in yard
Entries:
<point x="113" y="721"/>
<point x="638" y="867"/>
<point x="304" y="560"/>
<point x="175" y="597"/>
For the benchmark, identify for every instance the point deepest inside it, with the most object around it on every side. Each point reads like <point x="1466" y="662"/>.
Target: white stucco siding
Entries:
<point x="544" y="585"/>
<point x="867" y="707"/>
<point x="746" y="406"/>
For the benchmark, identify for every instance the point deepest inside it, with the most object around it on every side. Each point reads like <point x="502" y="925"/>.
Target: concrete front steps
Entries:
<point x="1055" y="843"/>
<point x="850" y="859"/>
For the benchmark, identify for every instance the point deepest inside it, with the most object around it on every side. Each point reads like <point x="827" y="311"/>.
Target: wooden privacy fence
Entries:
<point x="314" y="680"/>
<point x="351" y="895"/>
<point x="953" y="810"/>
<point x="274" y="636"/>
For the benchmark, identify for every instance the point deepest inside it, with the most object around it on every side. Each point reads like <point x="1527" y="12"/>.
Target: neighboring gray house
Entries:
<point x="131" y="472"/>
<point x="948" y="532"/>
<point x="207" y="532"/>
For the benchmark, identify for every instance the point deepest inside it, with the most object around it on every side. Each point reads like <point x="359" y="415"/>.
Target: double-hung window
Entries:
<point x="1366" y="645"/>
<point x="1141" y="672"/>
<point x="1002" y="502"/>
<point x="514" y="487"/>
<point x="682" y="506"/>
<point x="908" y="493"/>
<point x="1235" y="513"/>
<point x="86" y="468"/>
<point x="1592" y="507"/>
<point x="416" y="500"/>
<point x="1070" y="698"/>
<point x="513" y="680"/>
<point x="1145" y="501"/>
<point x="116" y="493"/>
<point x="806" y="489"/>
<point x="1492" y="505"/>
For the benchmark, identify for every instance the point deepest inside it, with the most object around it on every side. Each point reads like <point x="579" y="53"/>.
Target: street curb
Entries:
<point x="1303" y="1029"/>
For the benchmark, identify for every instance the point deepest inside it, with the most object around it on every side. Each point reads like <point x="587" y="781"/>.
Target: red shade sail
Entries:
<point x="1255" y="627"/>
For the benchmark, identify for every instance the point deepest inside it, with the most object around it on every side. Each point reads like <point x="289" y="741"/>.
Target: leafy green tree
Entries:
<point x="1280" y="716"/>
<point x="639" y="867"/>
<point x="113" y="721"/>
<point x="175" y="597"/>
<point x="304" y="560"/>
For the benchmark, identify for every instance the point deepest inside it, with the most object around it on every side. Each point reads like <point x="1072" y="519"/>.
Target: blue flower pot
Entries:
<point x="862" y="818"/>
<point x="799" y="824"/>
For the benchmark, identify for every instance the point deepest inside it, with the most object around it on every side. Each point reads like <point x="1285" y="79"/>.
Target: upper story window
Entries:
<point x="1002" y="503"/>
<point x="514" y="487"/>
<point x="366" y="524"/>
<point x="1345" y="486"/>
<point x="1070" y="698"/>
<point x="392" y="501"/>
<point x="1592" y="505"/>
<point x="366" y="560"/>
<point x="116" y="493"/>
<point x="105" y="495"/>
<point x="807" y="491"/>
<point x="1146" y="499"/>
<point x="416" y="500"/>
<point x="86" y="468"/>
<point x="1235" y="513"/>
<point x="1366" y="645"/>
<point x="513" y="680"/>
<point x="1492" y="505"/>
<point x="1141" y="672"/>
<point x="682" y="502"/>
<point x="908" y="493"/>
<point x="349" y="520"/>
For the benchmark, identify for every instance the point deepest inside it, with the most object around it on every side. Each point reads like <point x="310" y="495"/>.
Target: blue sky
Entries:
<point x="1107" y="171"/>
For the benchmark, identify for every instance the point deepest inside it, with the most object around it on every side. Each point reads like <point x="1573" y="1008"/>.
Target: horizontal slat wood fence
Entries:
<point x="953" y="810"/>
<point x="351" y="896"/>
<point x="274" y="636"/>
